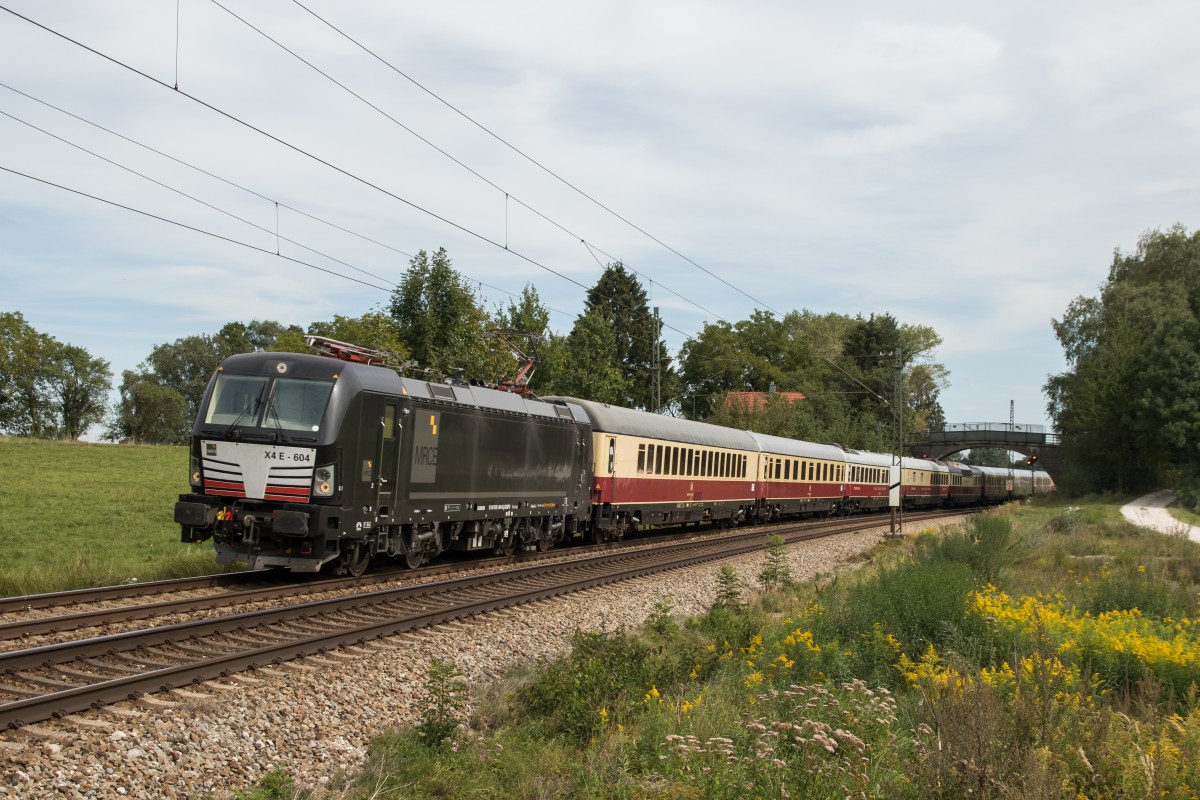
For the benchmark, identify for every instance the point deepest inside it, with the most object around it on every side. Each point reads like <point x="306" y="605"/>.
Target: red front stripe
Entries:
<point x="225" y="488"/>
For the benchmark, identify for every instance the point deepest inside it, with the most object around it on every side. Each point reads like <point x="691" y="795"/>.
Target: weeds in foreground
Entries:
<point x="927" y="675"/>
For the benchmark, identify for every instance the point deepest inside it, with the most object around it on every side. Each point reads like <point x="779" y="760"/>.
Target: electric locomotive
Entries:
<point x="305" y="462"/>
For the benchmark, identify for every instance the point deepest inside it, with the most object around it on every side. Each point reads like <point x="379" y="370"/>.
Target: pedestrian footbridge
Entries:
<point x="1029" y="440"/>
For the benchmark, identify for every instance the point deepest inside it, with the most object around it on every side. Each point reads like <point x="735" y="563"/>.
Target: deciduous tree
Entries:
<point x="1127" y="404"/>
<point x="442" y="322"/>
<point x="79" y="383"/>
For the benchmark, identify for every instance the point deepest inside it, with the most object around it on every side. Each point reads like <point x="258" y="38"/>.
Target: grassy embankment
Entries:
<point x="74" y="515"/>
<point x="1185" y="516"/>
<point x="1038" y="652"/>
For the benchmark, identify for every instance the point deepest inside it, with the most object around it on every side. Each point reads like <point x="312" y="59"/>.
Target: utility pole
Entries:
<point x="1012" y="426"/>
<point x="898" y="406"/>
<point x="656" y="366"/>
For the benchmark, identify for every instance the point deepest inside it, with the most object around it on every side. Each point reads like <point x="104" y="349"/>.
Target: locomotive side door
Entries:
<point x="388" y="459"/>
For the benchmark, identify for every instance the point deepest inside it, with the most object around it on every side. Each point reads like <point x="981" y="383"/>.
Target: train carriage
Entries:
<point x="965" y="484"/>
<point x="996" y="484"/>
<point x="924" y="483"/>
<point x="648" y="469"/>
<point x="798" y="477"/>
<point x="870" y="476"/>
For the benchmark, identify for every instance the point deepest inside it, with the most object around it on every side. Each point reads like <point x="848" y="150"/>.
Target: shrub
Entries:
<point x="729" y="592"/>
<point x="985" y="546"/>
<point x="605" y="680"/>
<point x="919" y="603"/>
<point x="443" y="704"/>
<point x="775" y="570"/>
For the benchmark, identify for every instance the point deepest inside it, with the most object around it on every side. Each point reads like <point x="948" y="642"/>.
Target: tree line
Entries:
<point x="1128" y="405"/>
<point x="860" y="378"/>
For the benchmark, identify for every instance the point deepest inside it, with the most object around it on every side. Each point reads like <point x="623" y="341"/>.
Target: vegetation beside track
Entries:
<point x="1042" y="651"/>
<point x="75" y="515"/>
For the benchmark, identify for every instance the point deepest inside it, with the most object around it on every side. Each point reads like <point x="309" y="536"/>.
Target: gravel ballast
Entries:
<point x="315" y="717"/>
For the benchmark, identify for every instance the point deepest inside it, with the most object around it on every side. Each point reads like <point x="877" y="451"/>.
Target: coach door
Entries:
<point x="389" y="463"/>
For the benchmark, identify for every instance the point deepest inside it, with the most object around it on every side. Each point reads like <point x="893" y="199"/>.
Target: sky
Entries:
<point x="968" y="166"/>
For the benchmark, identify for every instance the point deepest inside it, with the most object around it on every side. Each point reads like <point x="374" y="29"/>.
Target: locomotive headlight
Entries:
<point x="195" y="467"/>
<point x="323" y="483"/>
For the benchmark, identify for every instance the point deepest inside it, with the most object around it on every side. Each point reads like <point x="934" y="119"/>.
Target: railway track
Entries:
<point x="62" y="613"/>
<point x="54" y="680"/>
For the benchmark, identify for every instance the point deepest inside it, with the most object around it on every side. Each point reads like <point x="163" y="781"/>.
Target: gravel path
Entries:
<point x="1151" y="512"/>
<point x="316" y="716"/>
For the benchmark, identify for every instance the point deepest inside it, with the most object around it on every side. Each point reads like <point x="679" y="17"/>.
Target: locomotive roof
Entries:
<point x="615" y="419"/>
<point x="387" y="381"/>
<point x="778" y="445"/>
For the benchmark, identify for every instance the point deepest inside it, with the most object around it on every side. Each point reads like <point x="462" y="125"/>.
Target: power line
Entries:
<point x="530" y="159"/>
<point x="236" y="185"/>
<point x="338" y="169"/>
<point x="507" y="195"/>
<point x="309" y="155"/>
<point x="188" y="227"/>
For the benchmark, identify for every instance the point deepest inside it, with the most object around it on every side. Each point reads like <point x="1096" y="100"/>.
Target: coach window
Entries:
<point x="612" y="456"/>
<point x="674" y="460"/>
<point x="724" y="465"/>
<point x="658" y="459"/>
<point x="641" y="458"/>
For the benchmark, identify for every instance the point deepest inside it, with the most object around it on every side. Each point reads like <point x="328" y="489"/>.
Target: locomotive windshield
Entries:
<point x="257" y="401"/>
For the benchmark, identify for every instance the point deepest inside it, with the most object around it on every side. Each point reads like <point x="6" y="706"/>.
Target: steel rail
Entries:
<point x="287" y="586"/>
<point x="550" y="580"/>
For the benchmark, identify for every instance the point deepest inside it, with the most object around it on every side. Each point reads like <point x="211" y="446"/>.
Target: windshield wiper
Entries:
<point x="231" y="430"/>
<point x="273" y="414"/>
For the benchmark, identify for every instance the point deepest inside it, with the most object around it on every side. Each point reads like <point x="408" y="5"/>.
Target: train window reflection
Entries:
<point x="297" y="404"/>
<point x="235" y="398"/>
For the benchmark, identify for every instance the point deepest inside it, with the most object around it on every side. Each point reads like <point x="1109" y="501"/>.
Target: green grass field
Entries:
<point x="74" y="514"/>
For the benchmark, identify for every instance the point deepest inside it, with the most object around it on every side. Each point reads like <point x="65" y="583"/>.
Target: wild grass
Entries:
<point x="1039" y="652"/>
<point x="1184" y="515"/>
<point x="75" y="515"/>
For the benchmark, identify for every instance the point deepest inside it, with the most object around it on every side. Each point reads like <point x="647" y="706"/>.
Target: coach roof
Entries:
<point x="796" y="448"/>
<point x="614" y="419"/>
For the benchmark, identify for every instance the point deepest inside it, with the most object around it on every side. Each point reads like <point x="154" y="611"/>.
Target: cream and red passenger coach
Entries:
<point x="649" y="469"/>
<point x="798" y="477"/>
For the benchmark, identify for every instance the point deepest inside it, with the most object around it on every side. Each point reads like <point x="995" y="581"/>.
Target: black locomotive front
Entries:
<point x="300" y="461"/>
<point x="264" y="462"/>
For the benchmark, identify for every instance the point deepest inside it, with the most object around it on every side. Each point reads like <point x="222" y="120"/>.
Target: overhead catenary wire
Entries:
<point x="508" y="196"/>
<point x="570" y="185"/>
<point x="169" y="221"/>
<point x="530" y="159"/>
<point x="462" y="228"/>
<point x="239" y="186"/>
<point x="233" y="118"/>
